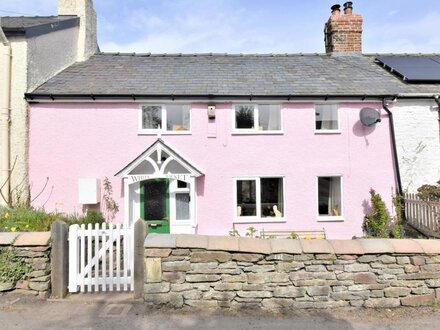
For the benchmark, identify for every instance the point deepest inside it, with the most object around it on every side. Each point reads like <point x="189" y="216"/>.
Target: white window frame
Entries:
<point x="327" y="131"/>
<point x="255" y="130"/>
<point x="329" y="218"/>
<point x="163" y="127"/>
<point x="257" y="218"/>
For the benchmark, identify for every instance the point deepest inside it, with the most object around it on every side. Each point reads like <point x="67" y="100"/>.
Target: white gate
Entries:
<point x="100" y="259"/>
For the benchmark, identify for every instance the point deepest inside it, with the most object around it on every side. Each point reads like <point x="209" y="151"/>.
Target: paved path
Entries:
<point x="120" y="312"/>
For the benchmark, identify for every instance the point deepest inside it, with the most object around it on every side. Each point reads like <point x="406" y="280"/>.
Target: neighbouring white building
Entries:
<point x="34" y="49"/>
<point x="417" y="129"/>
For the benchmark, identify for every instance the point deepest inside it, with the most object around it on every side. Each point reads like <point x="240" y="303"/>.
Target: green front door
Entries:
<point x="155" y="205"/>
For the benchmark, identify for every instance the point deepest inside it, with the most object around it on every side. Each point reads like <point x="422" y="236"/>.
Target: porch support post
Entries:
<point x="192" y="194"/>
<point x="126" y="202"/>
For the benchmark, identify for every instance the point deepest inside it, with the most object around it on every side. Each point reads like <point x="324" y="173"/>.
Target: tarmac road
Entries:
<point x="120" y="312"/>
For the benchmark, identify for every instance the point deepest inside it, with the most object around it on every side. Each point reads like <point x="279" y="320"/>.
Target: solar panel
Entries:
<point x="414" y="68"/>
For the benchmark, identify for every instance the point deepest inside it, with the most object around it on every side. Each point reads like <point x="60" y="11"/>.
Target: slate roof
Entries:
<point x="31" y="26"/>
<point x="229" y="75"/>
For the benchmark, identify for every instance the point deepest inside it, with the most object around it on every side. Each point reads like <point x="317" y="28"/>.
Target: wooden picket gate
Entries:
<point x="100" y="259"/>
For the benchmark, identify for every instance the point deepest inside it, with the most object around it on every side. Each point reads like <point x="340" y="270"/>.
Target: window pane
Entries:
<point x="272" y="204"/>
<point x="155" y="200"/>
<point x="329" y="196"/>
<point x="182" y="206"/>
<point x="269" y="117"/>
<point x="244" y="116"/>
<point x="151" y="116"/>
<point x="177" y="117"/>
<point x="246" y="198"/>
<point x="182" y="184"/>
<point x="326" y="116"/>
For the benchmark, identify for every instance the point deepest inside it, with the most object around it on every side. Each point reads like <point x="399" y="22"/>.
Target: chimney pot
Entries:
<point x="348" y="8"/>
<point x="336" y="10"/>
<point x="343" y="33"/>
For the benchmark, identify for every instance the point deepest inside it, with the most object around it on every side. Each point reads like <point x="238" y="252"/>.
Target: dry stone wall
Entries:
<point x="34" y="249"/>
<point x="227" y="272"/>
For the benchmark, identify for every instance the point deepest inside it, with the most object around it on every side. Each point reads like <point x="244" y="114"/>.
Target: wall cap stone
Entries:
<point x="191" y="241"/>
<point x="284" y="245"/>
<point x="316" y="246"/>
<point x="8" y="238"/>
<point x="160" y="241"/>
<point x="32" y="239"/>
<point x="429" y="246"/>
<point x="376" y="245"/>
<point x="293" y="246"/>
<point x="406" y="246"/>
<point x="341" y="246"/>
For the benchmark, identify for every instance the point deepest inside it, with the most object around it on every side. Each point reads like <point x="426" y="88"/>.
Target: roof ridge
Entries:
<point x="210" y="54"/>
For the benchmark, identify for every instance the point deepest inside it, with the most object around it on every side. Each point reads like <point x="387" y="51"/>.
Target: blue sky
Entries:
<point x="249" y="26"/>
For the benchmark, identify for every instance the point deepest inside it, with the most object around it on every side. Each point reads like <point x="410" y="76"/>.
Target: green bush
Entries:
<point x="376" y="222"/>
<point x="12" y="267"/>
<point x="428" y="191"/>
<point x="25" y="218"/>
<point x="379" y="223"/>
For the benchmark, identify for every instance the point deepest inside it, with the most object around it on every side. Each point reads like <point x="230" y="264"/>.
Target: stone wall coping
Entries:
<point x="25" y="238"/>
<point x="293" y="246"/>
<point x="7" y="238"/>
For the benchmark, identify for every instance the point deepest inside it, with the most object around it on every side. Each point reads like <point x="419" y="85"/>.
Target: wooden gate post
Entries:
<point x="60" y="259"/>
<point x="140" y="232"/>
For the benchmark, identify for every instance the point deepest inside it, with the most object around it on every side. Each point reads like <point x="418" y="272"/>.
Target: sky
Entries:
<point x="248" y="26"/>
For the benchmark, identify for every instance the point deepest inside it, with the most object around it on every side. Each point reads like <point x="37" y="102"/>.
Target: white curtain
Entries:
<point x="328" y="116"/>
<point x="274" y="118"/>
<point x="182" y="206"/>
<point x="334" y="197"/>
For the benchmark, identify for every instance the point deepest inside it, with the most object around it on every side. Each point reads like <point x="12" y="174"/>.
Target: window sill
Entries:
<point x="164" y="132"/>
<point x="235" y="132"/>
<point x="260" y="220"/>
<point x="336" y="131"/>
<point x="330" y="219"/>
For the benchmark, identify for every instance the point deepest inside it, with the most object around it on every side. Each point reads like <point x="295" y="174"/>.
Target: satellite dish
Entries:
<point x="369" y="116"/>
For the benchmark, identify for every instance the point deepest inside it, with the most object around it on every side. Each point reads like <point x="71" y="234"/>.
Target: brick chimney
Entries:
<point x="87" y="40"/>
<point x="343" y="33"/>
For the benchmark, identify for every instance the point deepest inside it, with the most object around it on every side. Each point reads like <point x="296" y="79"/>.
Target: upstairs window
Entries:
<point x="169" y="118"/>
<point x="256" y="118"/>
<point x="326" y="117"/>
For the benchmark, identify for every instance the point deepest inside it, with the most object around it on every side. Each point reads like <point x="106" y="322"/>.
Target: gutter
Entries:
<point x="394" y="146"/>
<point x="5" y="105"/>
<point x="36" y="97"/>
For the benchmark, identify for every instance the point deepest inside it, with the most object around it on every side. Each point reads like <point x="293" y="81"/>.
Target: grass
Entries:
<point x="25" y="218"/>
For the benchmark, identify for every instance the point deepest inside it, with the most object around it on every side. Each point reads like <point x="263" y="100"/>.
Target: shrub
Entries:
<point x="12" y="267"/>
<point x="91" y="216"/>
<point x="26" y="218"/>
<point x="428" y="191"/>
<point x="379" y="223"/>
<point x="376" y="222"/>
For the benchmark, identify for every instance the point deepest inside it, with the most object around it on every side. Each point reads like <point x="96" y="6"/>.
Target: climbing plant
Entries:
<point x="110" y="205"/>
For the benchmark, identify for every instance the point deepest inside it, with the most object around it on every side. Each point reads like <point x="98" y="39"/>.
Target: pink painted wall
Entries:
<point x="79" y="140"/>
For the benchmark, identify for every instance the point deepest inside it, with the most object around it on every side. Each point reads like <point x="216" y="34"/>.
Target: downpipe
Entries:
<point x="393" y="145"/>
<point x="5" y="105"/>
<point x="399" y="190"/>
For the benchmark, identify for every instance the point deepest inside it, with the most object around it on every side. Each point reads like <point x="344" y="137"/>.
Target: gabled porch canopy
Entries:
<point x="159" y="161"/>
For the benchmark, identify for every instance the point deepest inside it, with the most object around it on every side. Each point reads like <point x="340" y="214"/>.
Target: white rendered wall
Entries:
<point x="18" y="116"/>
<point x="34" y="60"/>
<point x="418" y="142"/>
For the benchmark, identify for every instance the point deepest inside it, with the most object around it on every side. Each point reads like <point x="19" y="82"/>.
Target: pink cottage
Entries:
<point x="203" y="143"/>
